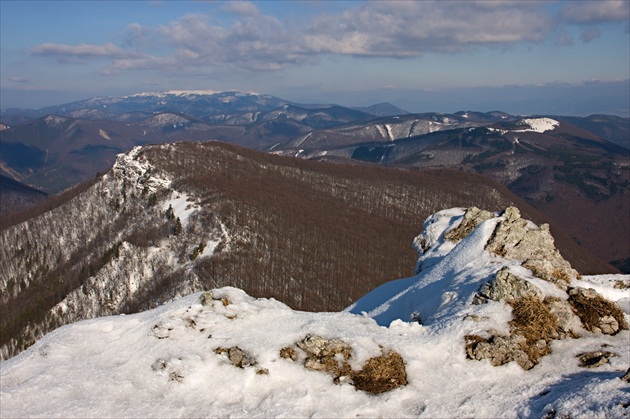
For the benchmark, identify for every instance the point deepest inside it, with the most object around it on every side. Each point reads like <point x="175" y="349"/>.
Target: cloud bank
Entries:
<point x="254" y="41"/>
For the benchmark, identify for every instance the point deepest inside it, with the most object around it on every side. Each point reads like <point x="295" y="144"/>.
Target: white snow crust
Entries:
<point x="540" y="124"/>
<point x="162" y="363"/>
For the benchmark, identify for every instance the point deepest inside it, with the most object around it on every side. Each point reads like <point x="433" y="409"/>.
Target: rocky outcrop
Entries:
<point x="537" y="319"/>
<point x="518" y="239"/>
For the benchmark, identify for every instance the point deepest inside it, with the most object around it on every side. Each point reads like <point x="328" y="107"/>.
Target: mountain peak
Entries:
<point x="184" y="93"/>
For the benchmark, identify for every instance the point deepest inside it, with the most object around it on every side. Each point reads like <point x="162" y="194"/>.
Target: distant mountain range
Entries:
<point x="574" y="169"/>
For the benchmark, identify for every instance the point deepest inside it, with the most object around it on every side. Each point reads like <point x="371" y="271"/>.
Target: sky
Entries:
<point x="563" y="57"/>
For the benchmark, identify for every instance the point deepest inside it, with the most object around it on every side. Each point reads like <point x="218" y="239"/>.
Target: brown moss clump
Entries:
<point x="380" y="374"/>
<point x="534" y="320"/>
<point x="593" y="309"/>
<point x="621" y="285"/>
<point x="288" y="353"/>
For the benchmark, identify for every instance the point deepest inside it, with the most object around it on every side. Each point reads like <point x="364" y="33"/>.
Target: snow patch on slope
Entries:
<point x="182" y="205"/>
<point x="540" y="124"/>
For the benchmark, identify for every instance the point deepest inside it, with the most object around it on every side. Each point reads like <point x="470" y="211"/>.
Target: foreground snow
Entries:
<point x="167" y="362"/>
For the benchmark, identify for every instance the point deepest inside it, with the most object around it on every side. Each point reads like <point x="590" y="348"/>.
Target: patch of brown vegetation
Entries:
<point x="593" y="310"/>
<point x="380" y="374"/>
<point x="288" y="353"/>
<point x="534" y="320"/>
<point x="621" y="285"/>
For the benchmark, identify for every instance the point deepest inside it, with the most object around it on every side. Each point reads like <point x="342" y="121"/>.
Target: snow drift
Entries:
<point x="224" y="353"/>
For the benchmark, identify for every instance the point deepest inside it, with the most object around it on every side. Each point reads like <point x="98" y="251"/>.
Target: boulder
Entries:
<point x="508" y="287"/>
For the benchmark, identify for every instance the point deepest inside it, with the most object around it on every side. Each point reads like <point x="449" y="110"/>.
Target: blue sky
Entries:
<point x="521" y="57"/>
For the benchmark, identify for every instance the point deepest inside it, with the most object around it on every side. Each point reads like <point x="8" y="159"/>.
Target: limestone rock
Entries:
<point x="594" y="359"/>
<point x="326" y="355"/>
<point x="238" y="357"/>
<point x="499" y="350"/>
<point x="569" y="324"/>
<point x="208" y="297"/>
<point x="472" y="218"/>
<point x="319" y="347"/>
<point x="515" y="238"/>
<point x="608" y="325"/>
<point x="508" y="287"/>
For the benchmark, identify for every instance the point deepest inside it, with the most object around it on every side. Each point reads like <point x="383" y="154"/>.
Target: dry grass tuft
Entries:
<point x="533" y="319"/>
<point x="288" y="353"/>
<point x="621" y="285"/>
<point x="592" y="309"/>
<point x="380" y="374"/>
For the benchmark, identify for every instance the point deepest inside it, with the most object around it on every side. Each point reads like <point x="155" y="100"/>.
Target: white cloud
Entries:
<point x="19" y="79"/>
<point x="80" y="53"/>
<point x="409" y="29"/>
<point x="594" y="12"/>
<point x="244" y="8"/>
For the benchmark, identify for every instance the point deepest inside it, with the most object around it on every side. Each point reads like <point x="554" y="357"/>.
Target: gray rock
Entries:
<point x="608" y="325"/>
<point x="569" y="324"/>
<point x="594" y="359"/>
<point x="238" y="357"/>
<point x="508" y="287"/>
<point x="472" y="218"/>
<point x="499" y="350"/>
<point x="317" y="346"/>
<point x="515" y="238"/>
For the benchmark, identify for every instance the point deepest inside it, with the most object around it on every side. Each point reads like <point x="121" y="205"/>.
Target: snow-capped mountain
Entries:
<point x="451" y="341"/>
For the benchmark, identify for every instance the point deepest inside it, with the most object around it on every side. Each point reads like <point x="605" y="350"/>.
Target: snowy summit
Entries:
<point x="453" y="340"/>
